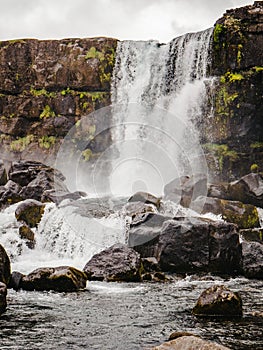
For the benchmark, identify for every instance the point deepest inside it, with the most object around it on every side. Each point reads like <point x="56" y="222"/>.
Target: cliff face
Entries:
<point x="46" y="87"/>
<point x="233" y="136"/>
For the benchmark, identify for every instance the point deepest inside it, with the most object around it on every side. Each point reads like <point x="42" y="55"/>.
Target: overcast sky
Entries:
<point x="122" y="19"/>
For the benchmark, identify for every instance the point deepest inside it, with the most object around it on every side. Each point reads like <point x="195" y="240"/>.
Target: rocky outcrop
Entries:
<point x="5" y="269"/>
<point x="218" y="301"/>
<point x="117" y="263"/>
<point x="46" y="86"/>
<point x="232" y="137"/>
<point x="188" y="245"/>
<point x="60" y="279"/>
<point x="189" y="343"/>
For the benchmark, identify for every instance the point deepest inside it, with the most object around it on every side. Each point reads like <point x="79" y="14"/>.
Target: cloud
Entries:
<point x="123" y="19"/>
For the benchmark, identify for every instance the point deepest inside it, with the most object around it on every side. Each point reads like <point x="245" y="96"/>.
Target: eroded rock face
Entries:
<point x="189" y="343"/>
<point x="60" y="279"/>
<point x="187" y="245"/>
<point x="5" y="270"/>
<point x="218" y="301"/>
<point x="45" y="87"/>
<point x="117" y="263"/>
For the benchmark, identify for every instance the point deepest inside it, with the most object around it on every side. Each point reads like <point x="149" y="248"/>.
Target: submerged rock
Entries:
<point x="146" y="198"/>
<point x="189" y="342"/>
<point x="3" y="293"/>
<point x="30" y="211"/>
<point x="243" y="215"/>
<point x="60" y="279"/>
<point x="252" y="257"/>
<point x="218" y="301"/>
<point x="117" y="263"/>
<point x="188" y="245"/>
<point x="5" y="269"/>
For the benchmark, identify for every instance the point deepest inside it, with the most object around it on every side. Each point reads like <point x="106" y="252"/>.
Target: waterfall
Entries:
<point x="159" y="94"/>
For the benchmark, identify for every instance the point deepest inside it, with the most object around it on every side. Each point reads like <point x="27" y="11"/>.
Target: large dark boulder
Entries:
<point x="3" y="174"/>
<point x="218" y="301"/>
<point x="248" y="189"/>
<point x="252" y="253"/>
<point x="185" y="189"/>
<point x="3" y="293"/>
<point x="60" y="279"/>
<point x="189" y="342"/>
<point x="30" y="211"/>
<point x="243" y="215"/>
<point x="146" y="198"/>
<point x="5" y="269"/>
<point x="10" y="193"/>
<point x="188" y="245"/>
<point x="15" y="280"/>
<point x="117" y="263"/>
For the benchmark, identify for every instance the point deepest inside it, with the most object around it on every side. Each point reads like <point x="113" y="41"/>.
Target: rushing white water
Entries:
<point x="159" y="91"/>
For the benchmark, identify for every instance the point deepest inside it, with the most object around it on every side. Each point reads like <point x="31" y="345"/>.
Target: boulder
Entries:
<point x="254" y="235"/>
<point x="28" y="235"/>
<point x="5" y="269"/>
<point x="58" y="196"/>
<point x="252" y="254"/>
<point x="3" y="293"/>
<point x="248" y="189"/>
<point x="185" y="189"/>
<point x="30" y="211"/>
<point x="218" y="190"/>
<point x="190" y="342"/>
<point x="15" y="280"/>
<point x="60" y="279"/>
<point x="146" y="198"/>
<point x="188" y="245"/>
<point x="243" y="215"/>
<point x="218" y="301"/>
<point x="117" y="263"/>
<point x="3" y="174"/>
<point x="9" y="194"/>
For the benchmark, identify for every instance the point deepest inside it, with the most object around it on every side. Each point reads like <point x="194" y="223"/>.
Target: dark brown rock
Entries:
<point x="243" y="215"/>
<point x="5" y="269"/>
<point x="3" y="174"/>
<point x="28" y="235"/>
<point x="30" y="211"/>
<point x="58" y="196"/>
<point x="3" y="293"/>
<point x="9" y="194"/>
<point x="190" y="343"/>
<point x="60" y="279"/>
<point x="176" y="335"/>
<point x="188" y="245"/>
<point x="15" y="280"/>
<point x="146" y="198"/>
<point x="218" y="301"/>
<point x="117" y="263"/>
<point x="252" y="235"/>
<point x="252" y="257"/>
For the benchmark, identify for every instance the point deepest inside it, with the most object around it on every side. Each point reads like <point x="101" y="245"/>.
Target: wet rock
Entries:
<point x="3" y="293"/>
<point x="218" y="301"/>
<point x="218" y="190"/>
<point x="137" y="210"/>
<point x="5" y="269"/>
<point x="30" y="211"/>
<point x="117" y="263"/>
<point x="254" y="235"/>
<point x="150" y="264"/>
<point x="176" y="335"/>
<point x="190" y="342"/>
<point x="248" y="189"/>
<point x="243" y="215"/>
<point x="188" y="244"/>
<point x="185" y="189"/>
<point x="28" y="235"/>
<point x="15" y="280"/>
<point x="60" y="279"/>
<point x="252" y="253"/>
<point x="58" y="196"/>
<point x="9" y="194"/>
<point x="3" y="174"/>
<point x="146" y="198"/>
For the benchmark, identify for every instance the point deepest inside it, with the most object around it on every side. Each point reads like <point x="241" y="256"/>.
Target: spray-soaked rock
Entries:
<point x="218" y="301"/>
<point x="252" y="258"/>
<point x="30" y="211"/>
<point x="146" y="198"/>
<point x="5" y="270"/>
<point x="3" y="174"/>
<point x="117" y="263"/>
<point x="3" y="293"/>
<point x="60" y="279"/>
